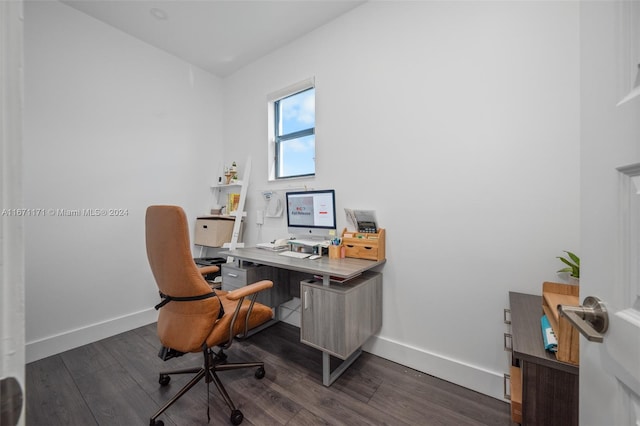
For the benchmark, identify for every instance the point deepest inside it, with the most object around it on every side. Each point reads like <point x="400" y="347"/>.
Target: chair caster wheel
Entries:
<point x="236" y="417"/>
<point x="221" y="357"/>
<point x="164" y="381"/>
<point x="260" y="373"/>
<point x="156" y="423"/>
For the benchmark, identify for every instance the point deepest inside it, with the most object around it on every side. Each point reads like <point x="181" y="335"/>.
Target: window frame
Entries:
<point x="275" y="140"/>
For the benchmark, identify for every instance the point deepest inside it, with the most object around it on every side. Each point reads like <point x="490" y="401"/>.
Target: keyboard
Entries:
<point x="295" y="254"/>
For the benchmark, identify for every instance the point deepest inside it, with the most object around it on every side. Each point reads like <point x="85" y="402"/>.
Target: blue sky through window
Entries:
<point x="297" y="113"/>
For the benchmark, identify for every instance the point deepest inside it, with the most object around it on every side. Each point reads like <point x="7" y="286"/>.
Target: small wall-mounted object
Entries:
<point x="273" y="204"/>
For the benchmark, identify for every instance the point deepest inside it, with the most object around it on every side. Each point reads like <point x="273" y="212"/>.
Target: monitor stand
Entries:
<point x="311" y="242"/>
<point x="307" y="245"/>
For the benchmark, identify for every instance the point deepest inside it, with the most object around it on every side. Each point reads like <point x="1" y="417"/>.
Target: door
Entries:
<point x="610" y="210"/>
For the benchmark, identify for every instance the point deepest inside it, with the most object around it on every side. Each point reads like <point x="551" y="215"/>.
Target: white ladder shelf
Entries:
<point x="240" y="212"/>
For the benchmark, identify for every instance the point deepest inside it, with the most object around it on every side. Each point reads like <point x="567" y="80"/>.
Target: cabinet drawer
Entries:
<point x="361" y="251"/>
<point x="233" y="278"/>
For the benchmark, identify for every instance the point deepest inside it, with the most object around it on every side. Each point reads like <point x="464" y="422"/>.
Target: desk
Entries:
<point x="360" y="300"/>
<point x="343" y="268"/>
<point x="549" y="387"/>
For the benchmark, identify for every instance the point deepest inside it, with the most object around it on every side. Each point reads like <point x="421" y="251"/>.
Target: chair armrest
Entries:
<point x="249" y="290"/>
<point x="208" y="269"/>
<point x="239" y="296"/>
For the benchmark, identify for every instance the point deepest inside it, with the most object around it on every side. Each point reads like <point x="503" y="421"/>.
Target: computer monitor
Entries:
<point x="311" y="214"/>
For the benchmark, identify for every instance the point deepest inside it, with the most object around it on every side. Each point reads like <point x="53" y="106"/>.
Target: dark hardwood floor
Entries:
<point x="115" y="382"/>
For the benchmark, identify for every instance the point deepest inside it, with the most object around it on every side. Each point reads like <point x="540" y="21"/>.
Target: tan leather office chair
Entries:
<point x="193" y="317"/>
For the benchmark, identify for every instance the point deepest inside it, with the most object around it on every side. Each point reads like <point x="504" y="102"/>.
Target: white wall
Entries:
<point x="458" y="122"/>
<point x="110" y="123"/>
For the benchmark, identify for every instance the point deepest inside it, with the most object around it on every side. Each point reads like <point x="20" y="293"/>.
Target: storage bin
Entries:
<point x="213" y="231"/>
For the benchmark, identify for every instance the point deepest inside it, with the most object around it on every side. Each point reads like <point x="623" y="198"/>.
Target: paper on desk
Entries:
<point x="355" y="218"/>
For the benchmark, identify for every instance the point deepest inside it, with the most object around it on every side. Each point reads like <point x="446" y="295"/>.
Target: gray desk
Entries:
<point x="342" y="268"/>
<point x="349" y="296"/>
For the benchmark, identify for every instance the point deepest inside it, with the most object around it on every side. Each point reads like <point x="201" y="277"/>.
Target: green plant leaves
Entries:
<point x="573" y="264"/>
<point x="573" y="257"/>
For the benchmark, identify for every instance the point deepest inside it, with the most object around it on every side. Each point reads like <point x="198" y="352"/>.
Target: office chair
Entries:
<point x="193" y="317"/>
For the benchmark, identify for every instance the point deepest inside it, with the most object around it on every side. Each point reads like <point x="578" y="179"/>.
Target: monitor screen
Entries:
<point x="311" y="213"/>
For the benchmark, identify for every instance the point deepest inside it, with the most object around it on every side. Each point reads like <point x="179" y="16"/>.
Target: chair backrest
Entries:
<point x="182" y="325"/>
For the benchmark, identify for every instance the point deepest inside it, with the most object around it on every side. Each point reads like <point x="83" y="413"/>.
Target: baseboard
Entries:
<point x="61" y="342"/>
<point x="481" y="380"/>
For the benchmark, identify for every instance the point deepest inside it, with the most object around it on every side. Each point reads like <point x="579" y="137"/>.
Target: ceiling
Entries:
<point x="220" y="36"/>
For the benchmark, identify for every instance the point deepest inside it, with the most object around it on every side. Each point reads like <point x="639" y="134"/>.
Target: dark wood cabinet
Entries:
<point x="549" y="387"/>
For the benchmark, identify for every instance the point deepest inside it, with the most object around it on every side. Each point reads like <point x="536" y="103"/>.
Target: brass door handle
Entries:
<point x="591" y="319"/>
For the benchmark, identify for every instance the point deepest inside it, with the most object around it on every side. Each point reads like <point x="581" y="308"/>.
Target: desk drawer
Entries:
<point x="361" y="251"/>
<point x="233" y="277"/>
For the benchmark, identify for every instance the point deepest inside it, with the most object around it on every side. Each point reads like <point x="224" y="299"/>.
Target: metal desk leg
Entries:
<point x="329" y="377"/>
<point x="326" y="279"/>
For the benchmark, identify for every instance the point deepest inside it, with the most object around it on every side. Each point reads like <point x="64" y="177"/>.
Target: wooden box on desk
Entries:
<point x="364" y="245"/>
<point x="554" y="294"/>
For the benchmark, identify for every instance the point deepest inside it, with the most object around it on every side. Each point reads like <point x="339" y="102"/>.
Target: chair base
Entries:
<point x="213" y="364"/>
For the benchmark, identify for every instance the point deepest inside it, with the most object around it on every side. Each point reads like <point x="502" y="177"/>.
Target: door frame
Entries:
<point x="12" y="282"/>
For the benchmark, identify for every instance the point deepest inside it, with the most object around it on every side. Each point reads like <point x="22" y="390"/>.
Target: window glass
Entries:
<point x="297" y="112"/>
<point x="297" y="157"/>
<point x="294" y="134"/>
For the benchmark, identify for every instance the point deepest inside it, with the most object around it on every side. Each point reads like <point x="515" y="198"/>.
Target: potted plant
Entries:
<point x="573" y="264"/>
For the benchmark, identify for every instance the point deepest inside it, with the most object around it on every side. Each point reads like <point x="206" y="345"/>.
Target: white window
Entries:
<point x="292" y="131"/>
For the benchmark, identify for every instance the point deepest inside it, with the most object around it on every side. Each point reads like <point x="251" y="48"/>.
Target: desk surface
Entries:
<point x="342" y="268"/>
